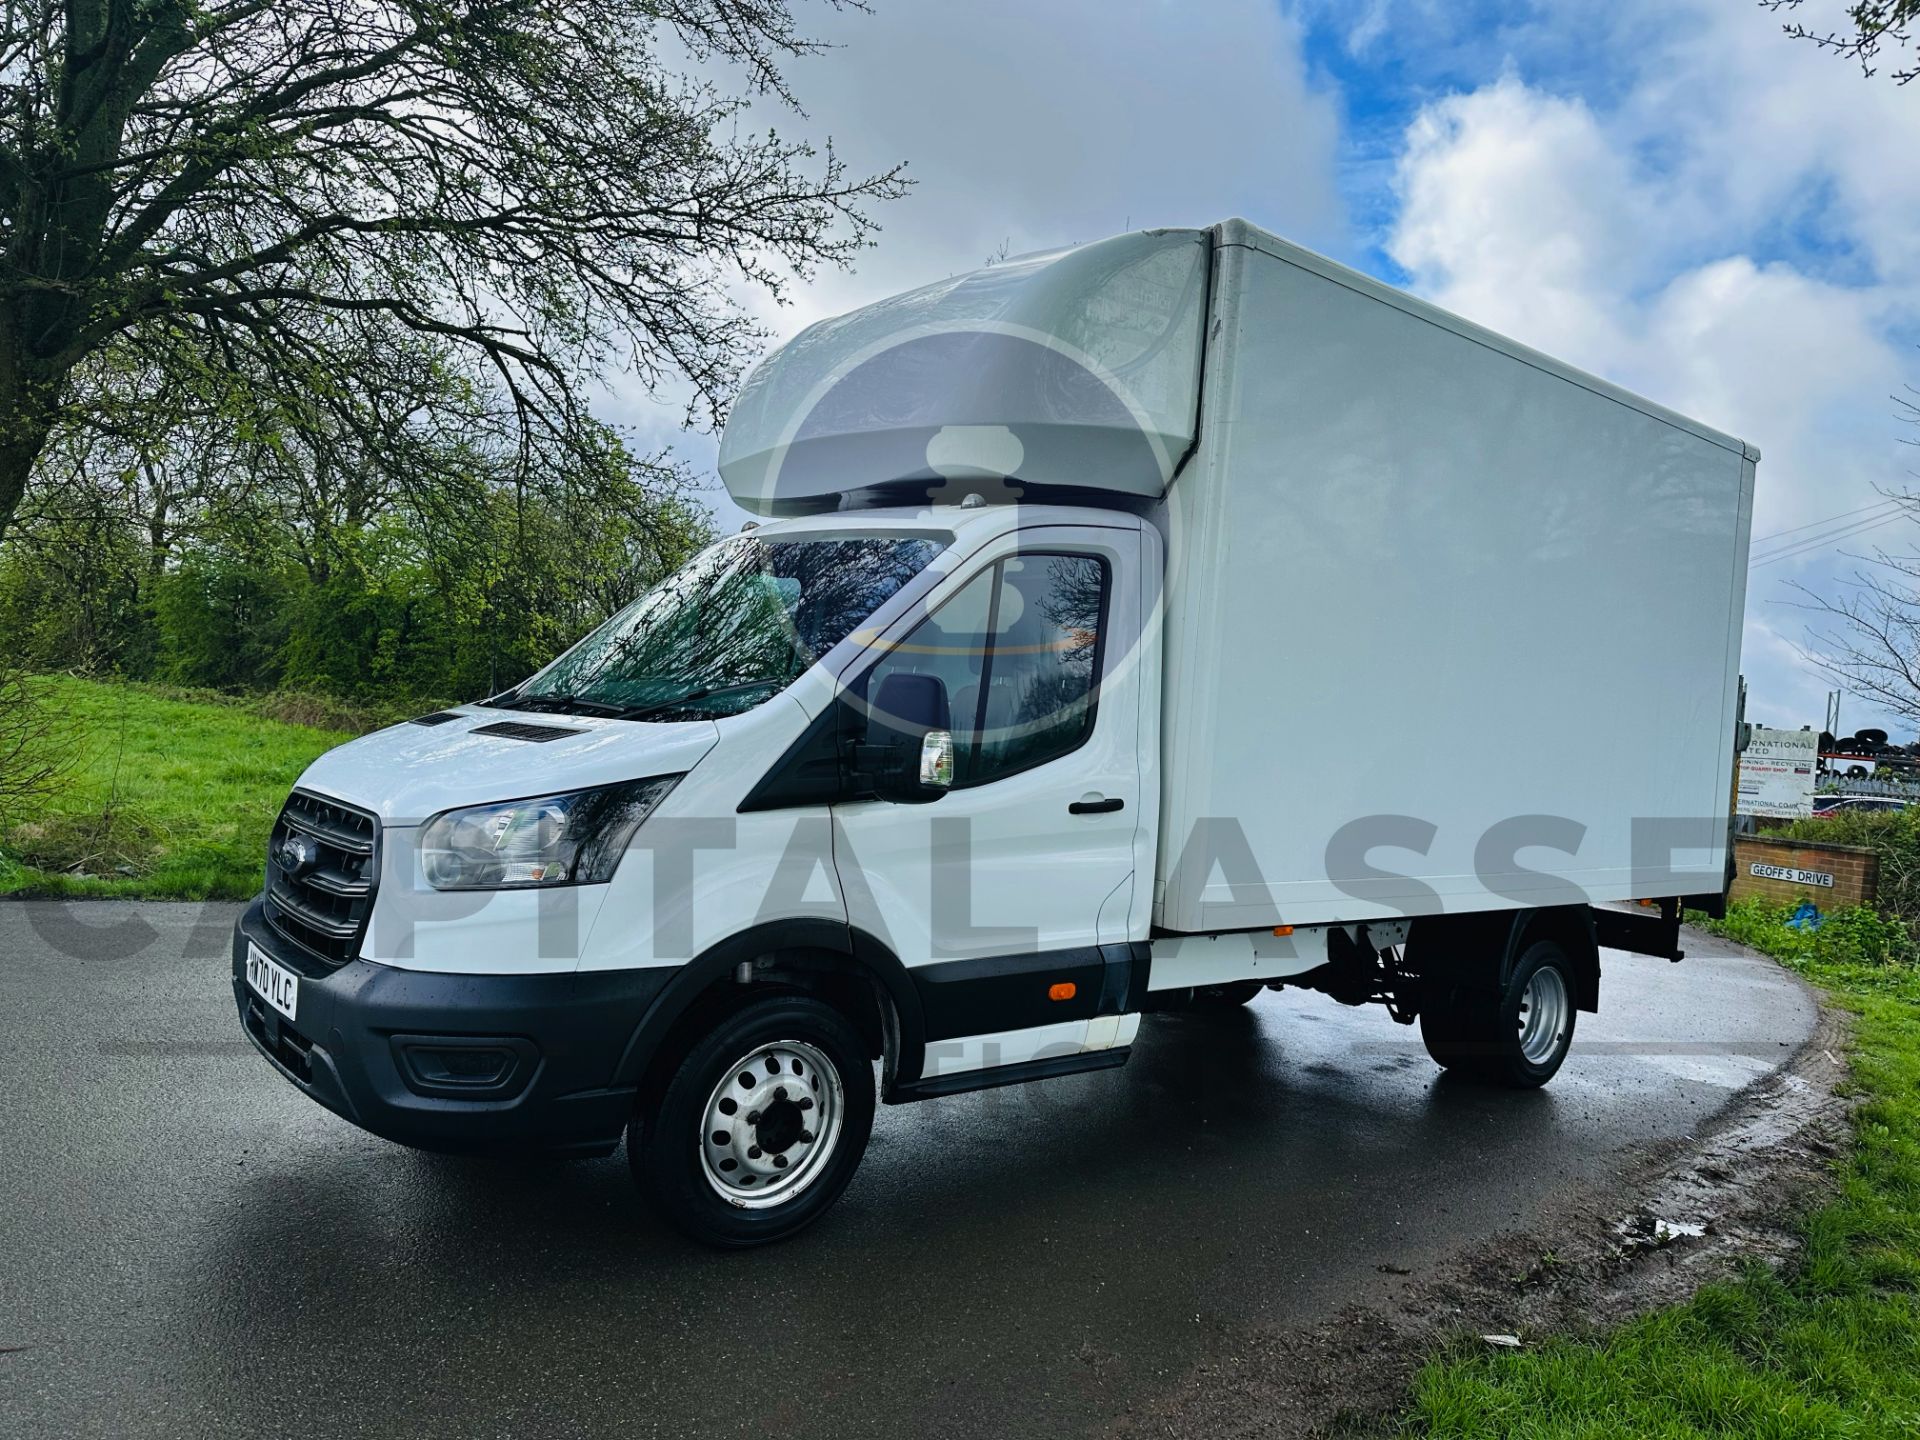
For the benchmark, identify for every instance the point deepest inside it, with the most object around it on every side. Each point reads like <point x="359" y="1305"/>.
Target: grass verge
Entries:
<point x="1830" y="1349"/>
<point x="167" y="797"/>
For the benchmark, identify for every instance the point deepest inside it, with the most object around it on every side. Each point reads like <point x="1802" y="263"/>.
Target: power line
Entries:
<point x="1830" y="531"/>
<point x="1817" y="542"/>
<point x="1813" y="524"/>
<point x="1821" y="542"/>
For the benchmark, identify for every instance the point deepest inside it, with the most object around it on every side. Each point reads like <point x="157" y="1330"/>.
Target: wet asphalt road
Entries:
<point x="188" y="1246"/>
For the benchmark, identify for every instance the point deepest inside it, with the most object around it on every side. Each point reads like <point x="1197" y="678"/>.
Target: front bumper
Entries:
<point x="406" y="1054"/>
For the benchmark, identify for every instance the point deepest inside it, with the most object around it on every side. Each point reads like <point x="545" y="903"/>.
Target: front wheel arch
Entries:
<point x="847" y="968"/>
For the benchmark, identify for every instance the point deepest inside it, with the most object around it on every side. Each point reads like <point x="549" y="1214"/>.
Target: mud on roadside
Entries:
<point x="1589" y="1262"/>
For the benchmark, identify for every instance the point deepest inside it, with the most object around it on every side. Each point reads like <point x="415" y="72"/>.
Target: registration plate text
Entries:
<point x="273" y="983"/>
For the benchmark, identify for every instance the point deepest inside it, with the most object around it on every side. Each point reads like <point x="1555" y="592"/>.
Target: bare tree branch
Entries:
<point x="1871" y="26"/>
<point x="523" y="183"/>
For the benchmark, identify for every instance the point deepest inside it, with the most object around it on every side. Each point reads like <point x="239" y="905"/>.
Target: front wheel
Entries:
<point x="761" y="1126"/>
<point x="1517" y="1036"/>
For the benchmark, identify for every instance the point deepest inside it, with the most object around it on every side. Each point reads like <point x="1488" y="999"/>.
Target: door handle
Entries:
<point x="1096" y="807"/>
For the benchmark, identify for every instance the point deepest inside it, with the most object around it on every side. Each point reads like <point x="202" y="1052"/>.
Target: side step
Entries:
<point x="997" y="1075"/>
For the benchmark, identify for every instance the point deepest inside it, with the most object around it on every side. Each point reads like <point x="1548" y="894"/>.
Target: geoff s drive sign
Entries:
<point x="1790" y="875"/>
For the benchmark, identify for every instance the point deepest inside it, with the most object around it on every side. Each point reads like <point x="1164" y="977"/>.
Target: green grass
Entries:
<point x="1831" y="1348"/>
<point x="166" y="797"/>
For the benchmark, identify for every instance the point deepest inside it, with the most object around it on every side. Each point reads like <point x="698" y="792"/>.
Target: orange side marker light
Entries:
<point x="1064" y="990"/>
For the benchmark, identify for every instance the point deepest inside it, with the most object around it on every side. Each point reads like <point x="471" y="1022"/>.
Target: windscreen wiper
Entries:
<point x="563" y="705"/>
<point x="680" y="702"/>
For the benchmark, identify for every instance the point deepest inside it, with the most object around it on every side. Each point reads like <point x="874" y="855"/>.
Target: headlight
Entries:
<point x="571" y="839"/>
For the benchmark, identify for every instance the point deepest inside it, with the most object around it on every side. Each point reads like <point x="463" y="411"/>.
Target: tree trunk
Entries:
<point x="157" y="517"/>
<point x="29" y="404"/>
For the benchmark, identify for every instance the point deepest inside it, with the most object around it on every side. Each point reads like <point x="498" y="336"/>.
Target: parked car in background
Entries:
<point x="1825" y="806"/>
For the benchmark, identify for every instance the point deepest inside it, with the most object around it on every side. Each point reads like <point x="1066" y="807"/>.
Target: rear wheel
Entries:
<point x="1516" y="1036"/>
<point x="761" y="1126"/>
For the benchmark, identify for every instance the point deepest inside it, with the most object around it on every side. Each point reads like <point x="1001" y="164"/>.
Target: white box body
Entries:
<point x="1418" y="570"/>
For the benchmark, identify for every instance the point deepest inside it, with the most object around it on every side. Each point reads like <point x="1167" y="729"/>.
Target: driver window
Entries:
<point x="1018" y="649"/>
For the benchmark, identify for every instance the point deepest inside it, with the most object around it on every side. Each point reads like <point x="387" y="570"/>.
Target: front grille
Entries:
<point x="322" y="860"/>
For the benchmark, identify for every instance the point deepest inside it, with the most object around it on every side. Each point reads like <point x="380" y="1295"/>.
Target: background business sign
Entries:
<point x="1777" y="773"/>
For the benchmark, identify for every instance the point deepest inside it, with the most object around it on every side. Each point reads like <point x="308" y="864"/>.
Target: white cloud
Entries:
<point x="1795" y="693"/>
<point x="1625" y="242"/>
<point x="1368" y="26"/>
<point x="1498" y="192"/>
<point x="1033" y="126"/>
<point x="1763" y="126"/>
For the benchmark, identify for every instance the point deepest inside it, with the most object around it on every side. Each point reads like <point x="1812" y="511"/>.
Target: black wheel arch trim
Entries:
<point x="1505" y="935"/>
<point x="1572" y="926"/>
<point x="862" y="953"/>
<point x="944" y="1000"/>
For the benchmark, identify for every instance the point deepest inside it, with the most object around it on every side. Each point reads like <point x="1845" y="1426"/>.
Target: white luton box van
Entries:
<point x="1131" y="627"/>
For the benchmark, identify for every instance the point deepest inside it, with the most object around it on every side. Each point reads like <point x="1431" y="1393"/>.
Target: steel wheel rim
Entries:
<point x="1543" y="1014"/>
<point x="771" y="1124"/>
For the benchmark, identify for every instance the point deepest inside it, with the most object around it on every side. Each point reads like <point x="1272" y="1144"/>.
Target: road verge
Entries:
<point x="1477" y="1343"/>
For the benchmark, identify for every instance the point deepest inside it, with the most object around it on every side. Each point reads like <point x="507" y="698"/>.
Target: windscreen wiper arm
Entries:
<point x="644" y="712"/>
<point x="563" y="704"/>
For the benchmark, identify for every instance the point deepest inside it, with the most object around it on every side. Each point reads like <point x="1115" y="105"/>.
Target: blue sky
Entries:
<point x="1666" y="192"/>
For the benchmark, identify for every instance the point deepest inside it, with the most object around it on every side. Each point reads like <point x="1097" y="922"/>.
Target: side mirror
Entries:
<point x="908" y="754"/>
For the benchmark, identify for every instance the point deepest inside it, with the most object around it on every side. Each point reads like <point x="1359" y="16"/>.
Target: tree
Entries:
<point x="397" y="539"/>
<point x="1872" y="645"/>
<point x="36" y="750"/>
<point x="222" y="196"/>
<point x="1871" y="25"/>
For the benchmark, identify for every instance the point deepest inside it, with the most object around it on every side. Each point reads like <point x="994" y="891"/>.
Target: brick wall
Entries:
<point x="1856" y="872"/>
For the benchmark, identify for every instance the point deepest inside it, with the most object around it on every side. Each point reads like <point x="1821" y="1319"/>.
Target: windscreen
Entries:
<point x="734" y="628"/>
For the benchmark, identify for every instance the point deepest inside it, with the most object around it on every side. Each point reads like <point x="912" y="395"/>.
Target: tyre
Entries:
<point x="1225" y="997"/>
<point x="1517" y="1037"/>
<point x="760" y="1127"/>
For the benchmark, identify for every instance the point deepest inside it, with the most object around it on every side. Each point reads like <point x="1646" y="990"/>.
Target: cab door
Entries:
<point x="993" y="895"/>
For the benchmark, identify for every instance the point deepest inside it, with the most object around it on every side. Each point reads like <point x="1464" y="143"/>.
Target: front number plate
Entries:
<point x="275" y="984"/>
